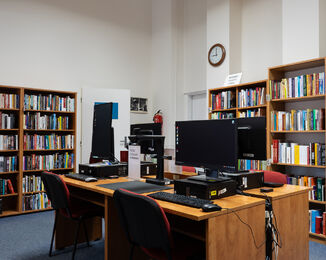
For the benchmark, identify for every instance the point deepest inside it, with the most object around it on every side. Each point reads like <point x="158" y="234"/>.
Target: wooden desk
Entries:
<point x="290" y="205"/>
<point x="224" y="235"/>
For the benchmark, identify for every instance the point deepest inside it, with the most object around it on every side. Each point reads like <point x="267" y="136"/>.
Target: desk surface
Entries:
<point x="234" y="203"/>
<point x="280" y="192"/>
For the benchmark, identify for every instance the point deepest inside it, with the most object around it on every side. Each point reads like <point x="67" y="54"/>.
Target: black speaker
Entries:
<point x="103" y="133"/>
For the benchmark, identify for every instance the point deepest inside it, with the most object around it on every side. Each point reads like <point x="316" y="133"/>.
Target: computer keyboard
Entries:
<point x="81" y="177"/>
<point x="179" y="199"/>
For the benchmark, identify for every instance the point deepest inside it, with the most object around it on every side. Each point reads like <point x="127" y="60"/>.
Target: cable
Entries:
<point x="251" y="231"/>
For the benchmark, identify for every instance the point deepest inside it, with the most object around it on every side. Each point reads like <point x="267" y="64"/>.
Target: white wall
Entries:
<point x="322" y="28"/>
<point x="261" y="41"/>
<point x="300" y="30"/>
<point x="218" y="17"/>
<point x="77" y="43"/>
<point x="70" y="44"/>
<point x="164" y="63"/>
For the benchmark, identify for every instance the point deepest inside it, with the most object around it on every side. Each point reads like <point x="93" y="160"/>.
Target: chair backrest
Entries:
<point x="56" y="190"/>
<point x="276" y="177"/>
<point x="144" y="221"/>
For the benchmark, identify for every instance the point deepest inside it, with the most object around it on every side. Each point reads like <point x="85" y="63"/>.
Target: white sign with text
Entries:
<point x="134" y="162"/>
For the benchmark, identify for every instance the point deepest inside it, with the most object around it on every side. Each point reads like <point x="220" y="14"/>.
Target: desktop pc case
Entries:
<point x="0" y="206"/>
<point x="102" y="170"/>
<point x="205" y="190"/>
<point x="247" y="180"/>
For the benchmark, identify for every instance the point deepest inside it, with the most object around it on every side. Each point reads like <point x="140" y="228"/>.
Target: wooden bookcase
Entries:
<point x="12" y="204"/>
<point x="302" y="137"/>
<point x="238" y="108"/>
<point x="241" y="107"/>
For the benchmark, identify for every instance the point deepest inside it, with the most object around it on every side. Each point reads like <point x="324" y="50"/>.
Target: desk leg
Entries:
<point x="292" y="217"/>
<point x="106" y="227"/>
<point x="228" y="238"/>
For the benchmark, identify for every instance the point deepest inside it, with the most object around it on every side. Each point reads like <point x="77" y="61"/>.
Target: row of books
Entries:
<point x="244" y="164"/>
<point x="223" y="100"/>
<point x="222" y="115"/>
<point x="251" y="97"/>
<point x="49" y="102"/>
<point x="298" y="120"/>
<point x="38" y="122"/>
<point x="36" y="201"/>
<point x="52" y="141"/>
<point x="8" y="163"/>
<point x="317" y="221"/>
<point x="293" y="153"/>
<point x="9" y="100"/>
<point x="48" y="162"/>
<point x="252" y="113"/>
<point x="7" y="121"/>
<point x="6" y="187"/>
<point x="317" y="183"/>
<point x="32" y="183"/>
<point x="300" y="86"/>
<point x="8" y="142"/>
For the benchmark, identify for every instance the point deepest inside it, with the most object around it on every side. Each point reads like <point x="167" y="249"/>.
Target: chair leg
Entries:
<point x="86" y="234"/>
<point x="76" y="239"/>
<point x="131" y="251"/>
<point x="53" y="232"/>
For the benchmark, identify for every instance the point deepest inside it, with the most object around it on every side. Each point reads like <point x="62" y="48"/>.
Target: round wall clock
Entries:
<point x="216" y="54"/>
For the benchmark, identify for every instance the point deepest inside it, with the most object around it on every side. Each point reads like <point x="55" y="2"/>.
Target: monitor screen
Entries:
<point x="207" y="143"/>
<point x="147" y="146"/>
<point x="252" y="138"/>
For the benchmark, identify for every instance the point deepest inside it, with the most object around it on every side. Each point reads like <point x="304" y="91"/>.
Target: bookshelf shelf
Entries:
<point x="49" y="111"/>
<point x="222" y="110"/>
<point x="49" y="104"/>
<point x="34" y="192"/>
<point x="48" y="150"/>
<point x="251" y="107"/>
<point x="8" y="130"/>
<point x="9" y="195"/>
<point x="317" y="235"/>
<point x="14" y="172"/>
<point x="299" y="132"/>
<point x="301" y="165"/>
<point x="299" y="99"/>
<point x="59" y="169"/>
<point x="6" y="213"/>
<point x="36" y="210"/>
<point x="318" y="202"/>
<point x="48" y="130"/>
<point x="9" y="109"/>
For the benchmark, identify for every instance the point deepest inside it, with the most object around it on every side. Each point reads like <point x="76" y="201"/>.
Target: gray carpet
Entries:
<point x="28" y="237"/>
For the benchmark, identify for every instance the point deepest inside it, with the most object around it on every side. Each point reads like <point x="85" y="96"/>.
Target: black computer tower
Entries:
<point x="0" y="206"/>
<point x="247" y="180"/>
<point x="205" y="190"/>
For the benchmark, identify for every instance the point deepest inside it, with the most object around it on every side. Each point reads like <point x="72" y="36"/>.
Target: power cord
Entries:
<point x="251" y="231"/>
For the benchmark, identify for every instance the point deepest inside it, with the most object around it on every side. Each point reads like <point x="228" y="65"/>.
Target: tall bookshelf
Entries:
<point x="242" y="100"/>
<point x="45" y="125"/>
<point x="285" y="103"/>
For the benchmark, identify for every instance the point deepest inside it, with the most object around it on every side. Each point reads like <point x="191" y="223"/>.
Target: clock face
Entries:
<point x="216" y="55"/>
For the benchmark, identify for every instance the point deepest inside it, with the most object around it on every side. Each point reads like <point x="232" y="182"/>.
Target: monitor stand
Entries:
<point x="208" y="177"/>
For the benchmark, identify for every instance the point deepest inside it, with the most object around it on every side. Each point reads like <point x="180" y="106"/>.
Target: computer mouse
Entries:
<point x="90" y="179"/>
<point x="210" y="207"/>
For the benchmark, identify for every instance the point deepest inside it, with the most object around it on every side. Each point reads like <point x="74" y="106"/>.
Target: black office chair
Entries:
<point x="147" y="226"/>
<point x="59" y="196"/>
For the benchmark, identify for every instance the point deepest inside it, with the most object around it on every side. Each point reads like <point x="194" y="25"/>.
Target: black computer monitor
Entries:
<point x="252" y="138"/>
<point x="147" y="146"/>
<point x="210" y="144"/>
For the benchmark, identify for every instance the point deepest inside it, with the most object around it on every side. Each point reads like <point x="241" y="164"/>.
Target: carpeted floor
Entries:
<point x="28" y="237"/>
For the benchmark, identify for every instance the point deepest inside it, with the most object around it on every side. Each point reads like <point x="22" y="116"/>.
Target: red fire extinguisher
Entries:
<point x="158" y="117"/>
